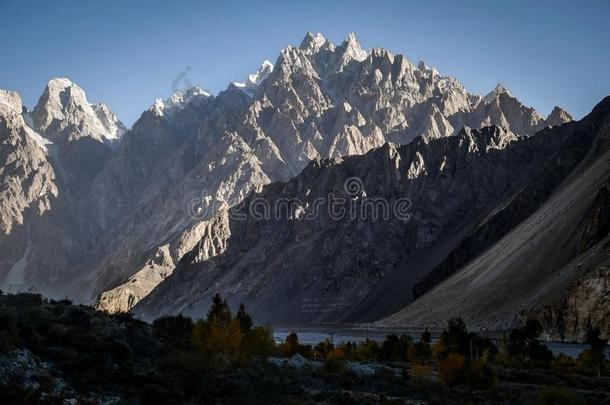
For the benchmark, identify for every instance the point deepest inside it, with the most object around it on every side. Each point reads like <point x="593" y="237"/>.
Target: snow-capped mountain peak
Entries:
<point x="260" y="75"/>
<point x="178" y="101"/>
<point x="254" y="79"/>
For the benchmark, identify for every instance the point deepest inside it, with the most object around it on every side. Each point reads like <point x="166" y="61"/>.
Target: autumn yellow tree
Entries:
<point x="222" y="339"/>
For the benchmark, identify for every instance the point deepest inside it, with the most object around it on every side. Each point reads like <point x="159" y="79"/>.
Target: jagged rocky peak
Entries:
<point x="558" y="116"/>
<point x="261" y="73"/>
<point x="421" y="65"/>
<point x="435" y="125"/>
<point x="292" y="59"/>
<point x="486" y="138"/>
<point x="497" y="92"/>
<point x="379" y="55"/>
<point x="10" y="102"/>
<point x="255" y="79"/>
<point x="351" y="45"/>
<point x="312" y="43"/>
<point x="16" y="116"/>
<point x="109" y="120"/>
<point x="350" y="50"/>
<point x="178" y="101"/>
<point x="26" y="177"/>
<point x="63" y="114"/>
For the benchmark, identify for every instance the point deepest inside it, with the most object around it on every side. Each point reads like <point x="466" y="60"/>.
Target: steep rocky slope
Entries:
<point x="584" y="304"/>
<point x="292" y="268"/>
<point x="27" y="177"/>
<point x="551" y="266"/>
<point x="27" y="188"/>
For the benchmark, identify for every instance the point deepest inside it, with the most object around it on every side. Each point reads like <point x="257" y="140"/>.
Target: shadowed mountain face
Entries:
<point x="306" y="265"/>
<point x="552" y="266"/>
<point x="100" y="214"/>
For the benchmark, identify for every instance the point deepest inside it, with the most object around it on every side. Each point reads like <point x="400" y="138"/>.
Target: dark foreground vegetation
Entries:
<point x="56" y="352"/>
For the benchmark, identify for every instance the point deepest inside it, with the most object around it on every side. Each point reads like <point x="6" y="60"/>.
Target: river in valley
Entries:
<point x="309" y="335"/>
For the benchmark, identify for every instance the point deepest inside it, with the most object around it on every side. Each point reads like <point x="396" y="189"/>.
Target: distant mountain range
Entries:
<point x="101" y="214"/>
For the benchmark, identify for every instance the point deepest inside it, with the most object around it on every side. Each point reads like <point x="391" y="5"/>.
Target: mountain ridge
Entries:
<point x="319" y="100"/>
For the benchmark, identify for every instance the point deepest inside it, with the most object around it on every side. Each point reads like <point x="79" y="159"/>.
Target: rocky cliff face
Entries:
<point x="121" y="221"/>
<point x="27" y="189"/>
<point x="27" y="177"/>
<point x="551" y="265"/>
<point x="584" y="304"/>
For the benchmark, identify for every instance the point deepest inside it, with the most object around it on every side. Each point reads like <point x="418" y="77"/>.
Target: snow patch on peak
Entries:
<point x="158" y="107"/>
<point x="114" y="128"/>
<point x="178" y="101"/>
<point x="181" y="98"/>
<point x="59" y="83"/>
<point x="260" y="75"/>
<point x="36" y="137"/>
<point x="255" y="79"/>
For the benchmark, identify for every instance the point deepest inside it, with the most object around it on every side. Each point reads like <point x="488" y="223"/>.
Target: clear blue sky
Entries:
<point x="127" y="53"/>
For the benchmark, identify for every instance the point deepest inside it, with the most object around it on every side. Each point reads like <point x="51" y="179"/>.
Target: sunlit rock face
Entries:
<point x="27" y="176"/>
